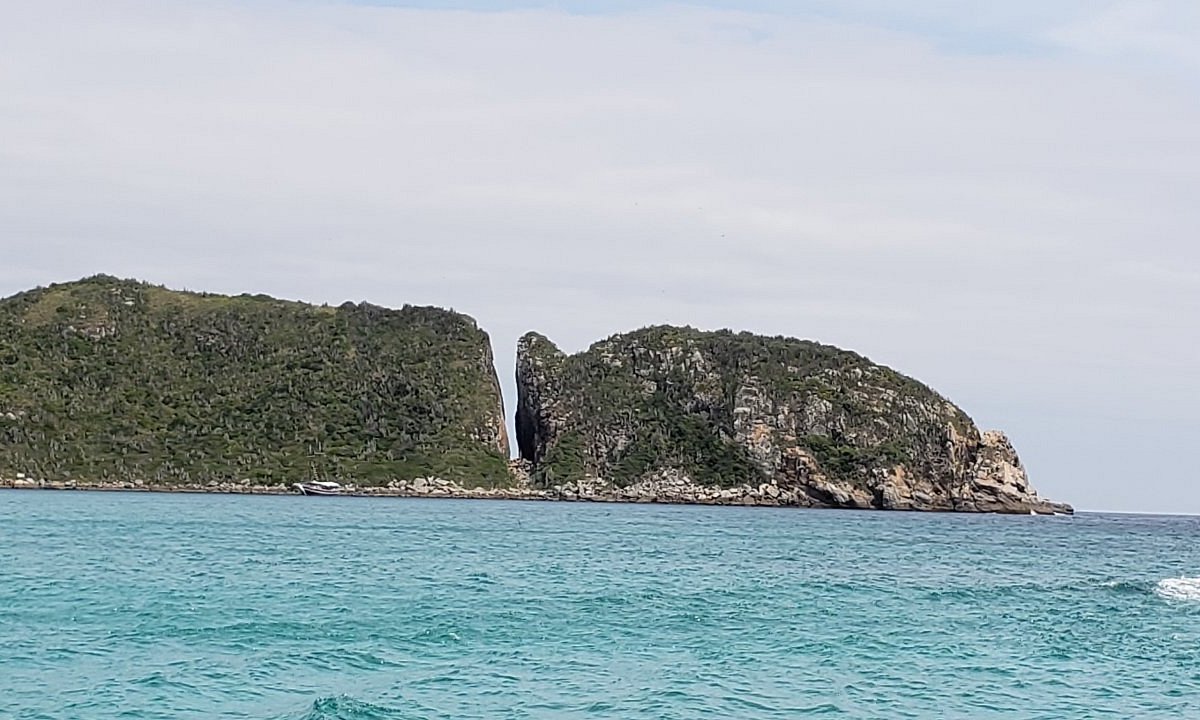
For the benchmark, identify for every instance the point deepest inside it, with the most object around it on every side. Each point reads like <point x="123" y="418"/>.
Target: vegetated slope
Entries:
<point x="107" y="379"/>
<point x="814" y="424"/>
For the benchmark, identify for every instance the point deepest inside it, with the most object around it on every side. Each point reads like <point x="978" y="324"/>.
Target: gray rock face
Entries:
<point x="540" y="415"/>
<point x="678" y="415"/>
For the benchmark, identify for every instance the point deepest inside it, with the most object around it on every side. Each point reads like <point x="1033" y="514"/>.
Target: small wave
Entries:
<point x="344" y="707"/>
<point x="967" y="592"/>
<point x="1126" y="586"/>
<point x="1180" y="588"/>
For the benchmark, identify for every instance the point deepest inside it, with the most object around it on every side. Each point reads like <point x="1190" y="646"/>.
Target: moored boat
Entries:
<point x="318" y="487"/>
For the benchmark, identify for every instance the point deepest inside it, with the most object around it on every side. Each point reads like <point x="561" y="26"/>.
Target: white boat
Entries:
<point x="318" y="487"/>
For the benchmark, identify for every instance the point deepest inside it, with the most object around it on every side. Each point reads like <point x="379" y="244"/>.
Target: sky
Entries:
<point x="999" y="199"/>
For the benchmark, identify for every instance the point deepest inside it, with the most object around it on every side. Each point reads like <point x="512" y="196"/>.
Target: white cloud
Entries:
<point x="1164" y="32"/>
<point x="1016" y="229"/>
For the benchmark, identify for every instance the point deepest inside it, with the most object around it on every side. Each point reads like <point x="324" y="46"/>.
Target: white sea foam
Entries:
<point x="1180" y="588"/>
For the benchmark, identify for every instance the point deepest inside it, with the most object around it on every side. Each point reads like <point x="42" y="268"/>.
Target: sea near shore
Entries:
<point x="155" y="605"/>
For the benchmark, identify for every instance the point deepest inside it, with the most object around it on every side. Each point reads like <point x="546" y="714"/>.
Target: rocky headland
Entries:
<point x="117" y="385"/>
<point x="679" y="415"/>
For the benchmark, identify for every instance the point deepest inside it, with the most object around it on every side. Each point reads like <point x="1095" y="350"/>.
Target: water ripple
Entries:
<point x="260" y="608"/>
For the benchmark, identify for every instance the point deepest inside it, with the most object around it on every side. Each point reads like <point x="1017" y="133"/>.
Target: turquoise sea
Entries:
<point x="134" y="606"/>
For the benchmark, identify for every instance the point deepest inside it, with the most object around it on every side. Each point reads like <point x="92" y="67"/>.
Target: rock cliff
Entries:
<point x="678" y="415"/>
<point x="106" y="380"/>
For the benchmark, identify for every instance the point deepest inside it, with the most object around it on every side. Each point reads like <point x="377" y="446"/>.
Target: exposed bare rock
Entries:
<point x="677" y="415"/>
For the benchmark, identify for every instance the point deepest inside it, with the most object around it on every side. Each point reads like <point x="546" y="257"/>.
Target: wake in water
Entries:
<point x="1180" y="588"/>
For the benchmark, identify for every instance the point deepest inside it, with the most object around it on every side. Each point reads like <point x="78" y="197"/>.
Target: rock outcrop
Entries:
<point x="108" y="381"/>
<point x="677" y="415"/>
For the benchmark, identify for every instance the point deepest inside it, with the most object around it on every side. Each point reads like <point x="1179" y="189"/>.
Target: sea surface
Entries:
<point x="133" y="606"/>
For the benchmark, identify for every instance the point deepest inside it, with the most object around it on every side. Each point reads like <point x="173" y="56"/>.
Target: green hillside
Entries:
<point x="107" y="379"/>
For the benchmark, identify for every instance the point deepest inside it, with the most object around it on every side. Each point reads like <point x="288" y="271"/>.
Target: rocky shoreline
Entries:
<point x="668" y="489"/>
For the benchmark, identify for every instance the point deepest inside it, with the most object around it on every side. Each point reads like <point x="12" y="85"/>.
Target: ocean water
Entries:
<point x="141" y="606"/>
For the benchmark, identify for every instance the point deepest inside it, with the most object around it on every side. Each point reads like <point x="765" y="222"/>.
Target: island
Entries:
<point x="119" y="384"/>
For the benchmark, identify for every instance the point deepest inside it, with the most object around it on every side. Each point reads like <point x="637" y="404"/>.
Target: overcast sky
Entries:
<point x="1000" y="199"/>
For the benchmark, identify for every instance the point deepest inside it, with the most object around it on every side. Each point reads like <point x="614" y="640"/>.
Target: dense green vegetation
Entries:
<point x="105" y="379"/>
<point x="671" y="394"/>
